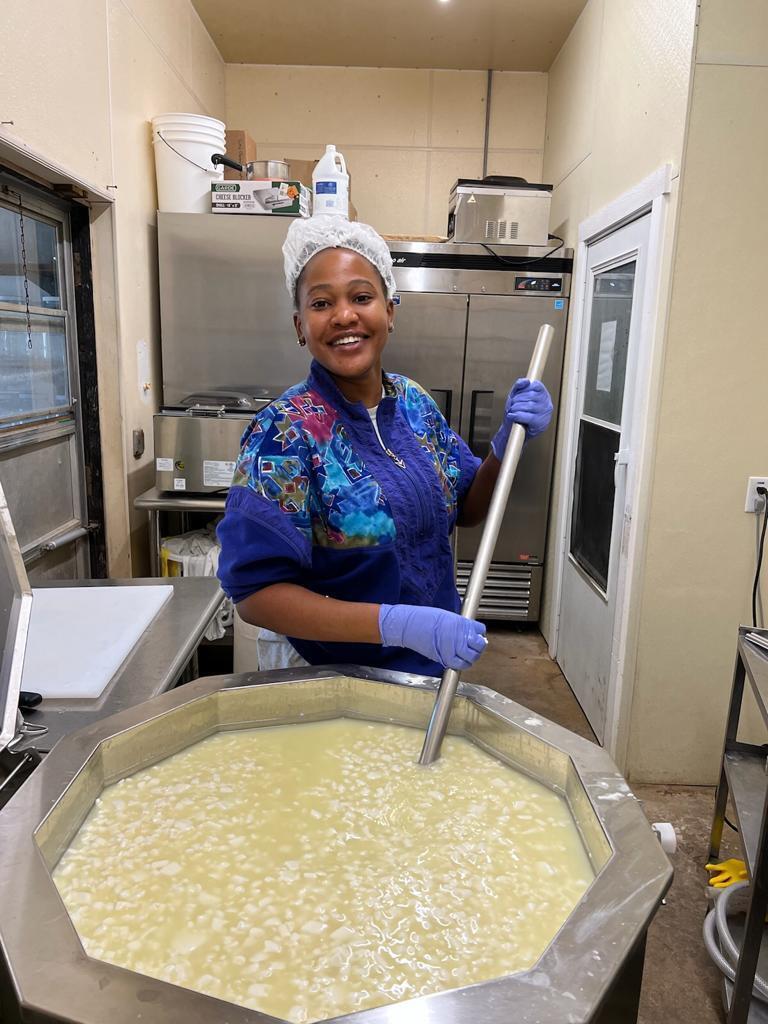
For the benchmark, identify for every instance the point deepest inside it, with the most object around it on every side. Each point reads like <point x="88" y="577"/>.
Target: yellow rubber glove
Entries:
<point x="729" y="871"/>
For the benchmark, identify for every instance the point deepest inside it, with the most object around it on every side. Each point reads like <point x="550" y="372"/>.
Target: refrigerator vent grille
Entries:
<point x="507" y="591"/>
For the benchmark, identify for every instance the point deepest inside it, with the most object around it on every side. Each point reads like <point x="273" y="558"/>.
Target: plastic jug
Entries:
<point x="330" y="185"/>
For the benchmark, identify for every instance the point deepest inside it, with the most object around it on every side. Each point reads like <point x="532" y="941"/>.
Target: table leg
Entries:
<point x="155" y="541"/>
<point x="731" y="730"/>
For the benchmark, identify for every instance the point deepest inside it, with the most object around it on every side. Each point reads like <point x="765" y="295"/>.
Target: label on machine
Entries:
<point x="217" y="474"/>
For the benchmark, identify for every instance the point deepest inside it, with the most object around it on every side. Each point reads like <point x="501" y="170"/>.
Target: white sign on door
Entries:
<point x="606" y="356"/>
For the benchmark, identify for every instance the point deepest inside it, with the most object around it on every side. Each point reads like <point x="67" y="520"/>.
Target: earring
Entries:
<point x="391" y="328"/>
<point x="301" y="342"/>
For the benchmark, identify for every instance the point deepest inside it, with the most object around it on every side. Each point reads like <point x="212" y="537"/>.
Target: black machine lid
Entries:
<point x="503" y="181"/>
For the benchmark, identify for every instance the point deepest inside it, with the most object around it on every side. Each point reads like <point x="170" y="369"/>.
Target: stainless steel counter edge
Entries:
<point x="154" y="500"/>
<point x="153" y="666"/>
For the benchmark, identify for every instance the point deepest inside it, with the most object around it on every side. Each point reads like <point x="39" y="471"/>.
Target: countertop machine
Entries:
<point x="196" y="442"/>
<point x="465" y="329"/>
<point x="500" y="209"/>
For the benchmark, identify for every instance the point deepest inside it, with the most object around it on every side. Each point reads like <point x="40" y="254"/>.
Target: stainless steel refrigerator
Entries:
<point x="465" y="327"/>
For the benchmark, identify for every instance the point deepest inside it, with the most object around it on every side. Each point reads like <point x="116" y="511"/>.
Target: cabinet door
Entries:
<point x="428" y="346"/>
<point x="501" y="334"/>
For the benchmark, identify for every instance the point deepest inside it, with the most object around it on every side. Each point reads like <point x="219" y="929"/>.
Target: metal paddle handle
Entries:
<point x="441" y="712"/>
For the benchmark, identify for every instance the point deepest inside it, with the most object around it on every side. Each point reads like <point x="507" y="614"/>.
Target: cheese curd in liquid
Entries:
<point x="312" y="870"/>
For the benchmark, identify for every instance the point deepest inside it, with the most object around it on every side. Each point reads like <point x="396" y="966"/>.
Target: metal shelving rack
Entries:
<point x="744" y="775"/>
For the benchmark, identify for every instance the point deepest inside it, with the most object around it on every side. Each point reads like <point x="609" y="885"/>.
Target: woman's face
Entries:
<point x="344" y="315"/>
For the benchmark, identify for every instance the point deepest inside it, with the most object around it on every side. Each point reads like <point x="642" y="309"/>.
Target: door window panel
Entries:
<point x="33" y="371"/>
<point x="593" y="495"/>
<point x="608" y="340"/>
<point x="41" y="244"/>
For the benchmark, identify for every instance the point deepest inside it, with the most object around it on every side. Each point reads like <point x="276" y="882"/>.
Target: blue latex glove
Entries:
<point x="529" y="404"/>
<point x="438" y="635"/>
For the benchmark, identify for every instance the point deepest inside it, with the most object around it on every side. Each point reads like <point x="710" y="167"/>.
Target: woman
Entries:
<point x="347" y="488"/>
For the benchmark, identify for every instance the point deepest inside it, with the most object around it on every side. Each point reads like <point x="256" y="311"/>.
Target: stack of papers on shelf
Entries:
<point x="758" y="639"/>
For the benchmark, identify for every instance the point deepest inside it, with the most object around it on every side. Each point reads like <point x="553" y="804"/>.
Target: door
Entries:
<point x="41" y="451"/>
<point x="597" y="482"/>
<point x="501" y="336"/>
<point x="428" y="346"/>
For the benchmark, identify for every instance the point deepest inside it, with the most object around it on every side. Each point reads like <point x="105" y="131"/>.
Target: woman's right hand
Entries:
<point x="439" y="635"/>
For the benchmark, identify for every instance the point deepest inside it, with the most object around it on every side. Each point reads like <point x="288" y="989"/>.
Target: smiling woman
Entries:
<point x="344" y="322"/>
<point x="347" y="488"/>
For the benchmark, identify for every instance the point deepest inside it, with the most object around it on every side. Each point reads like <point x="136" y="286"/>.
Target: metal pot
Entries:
<point x="590" y="972"/>
<point x="272" y="169"/>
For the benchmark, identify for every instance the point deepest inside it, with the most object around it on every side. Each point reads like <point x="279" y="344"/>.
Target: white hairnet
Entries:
<point x="310" y="235"/>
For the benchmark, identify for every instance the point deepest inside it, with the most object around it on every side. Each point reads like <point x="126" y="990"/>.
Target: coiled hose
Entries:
<point x="716" y="927"/>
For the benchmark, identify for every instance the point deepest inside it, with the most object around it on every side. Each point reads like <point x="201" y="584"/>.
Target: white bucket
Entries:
<point x="184" y="145"/>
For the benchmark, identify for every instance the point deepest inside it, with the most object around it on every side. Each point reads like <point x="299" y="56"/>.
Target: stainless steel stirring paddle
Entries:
<point x="438" y="721"/>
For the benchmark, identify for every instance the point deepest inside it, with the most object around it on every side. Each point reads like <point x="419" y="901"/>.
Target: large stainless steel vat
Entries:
<point x="590" y="972"/>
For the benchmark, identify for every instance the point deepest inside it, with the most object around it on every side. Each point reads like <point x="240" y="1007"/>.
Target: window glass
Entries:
<point x="608" y="342"/>
<point x="41" y="245"/>
<point x="33" y="373"/>
<point x="593" y="494"/>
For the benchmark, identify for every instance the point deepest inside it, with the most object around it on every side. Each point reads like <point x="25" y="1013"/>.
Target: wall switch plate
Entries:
<point x="754" y="502"/>
<point x="138" y="443"/>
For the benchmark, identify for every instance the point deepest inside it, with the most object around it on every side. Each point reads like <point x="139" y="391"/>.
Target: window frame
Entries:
<point x="27" y="431"/>
<point x="18" y="429"/>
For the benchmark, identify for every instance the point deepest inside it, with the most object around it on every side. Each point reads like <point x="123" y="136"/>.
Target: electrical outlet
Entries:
<point x="754" y="502"/>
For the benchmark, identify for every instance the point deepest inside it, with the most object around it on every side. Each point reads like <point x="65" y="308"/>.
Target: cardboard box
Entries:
<point x="261" y="197"/>
<point x="240" y="147"/>
<point x="301" y="170"/>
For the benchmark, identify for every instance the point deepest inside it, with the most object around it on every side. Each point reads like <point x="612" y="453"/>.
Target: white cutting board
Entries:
<point x="80" y="636"/>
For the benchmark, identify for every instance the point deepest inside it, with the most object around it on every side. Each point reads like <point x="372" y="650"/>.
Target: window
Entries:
<point x="34" y="356"/>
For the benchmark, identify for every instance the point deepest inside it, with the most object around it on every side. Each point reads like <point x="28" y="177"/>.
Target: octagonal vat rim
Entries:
<point x="570" y="979"/>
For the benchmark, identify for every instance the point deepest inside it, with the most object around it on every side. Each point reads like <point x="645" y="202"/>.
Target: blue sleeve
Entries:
<point x="266" y="531"/>
<point x="258" y="546"/>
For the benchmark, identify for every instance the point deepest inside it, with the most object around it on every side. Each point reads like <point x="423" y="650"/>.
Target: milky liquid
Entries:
<point x="313" y="870"/>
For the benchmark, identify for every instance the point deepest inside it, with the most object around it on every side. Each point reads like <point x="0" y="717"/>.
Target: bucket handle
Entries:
<point x="206" y="169"/>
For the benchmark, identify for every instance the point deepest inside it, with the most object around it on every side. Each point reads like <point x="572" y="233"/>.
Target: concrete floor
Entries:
<point x="680" y="984"/>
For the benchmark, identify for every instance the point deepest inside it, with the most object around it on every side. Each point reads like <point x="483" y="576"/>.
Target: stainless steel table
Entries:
<point x="155" y="665"/>
<point x="744" y="778"/>
<point x="155" y="502"/>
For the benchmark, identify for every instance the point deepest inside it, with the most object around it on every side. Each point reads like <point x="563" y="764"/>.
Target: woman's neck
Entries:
<point x="365" y="389"/>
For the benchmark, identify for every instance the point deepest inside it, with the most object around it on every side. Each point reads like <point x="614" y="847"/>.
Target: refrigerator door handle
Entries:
<point x="480" y="422"/>
<point x="444" y="400"/>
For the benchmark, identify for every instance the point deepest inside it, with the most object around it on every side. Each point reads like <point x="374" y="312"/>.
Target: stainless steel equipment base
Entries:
<point x="590" y="972"/>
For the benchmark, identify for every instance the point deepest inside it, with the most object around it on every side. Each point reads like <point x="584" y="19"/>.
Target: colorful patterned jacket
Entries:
<point x="318" y="500"/>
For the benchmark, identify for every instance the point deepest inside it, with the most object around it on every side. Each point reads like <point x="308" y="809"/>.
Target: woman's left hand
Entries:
<point x="529" y="404"/>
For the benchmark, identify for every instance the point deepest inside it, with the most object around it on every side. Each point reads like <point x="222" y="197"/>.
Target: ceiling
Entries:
<point x="505" y="35"/>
